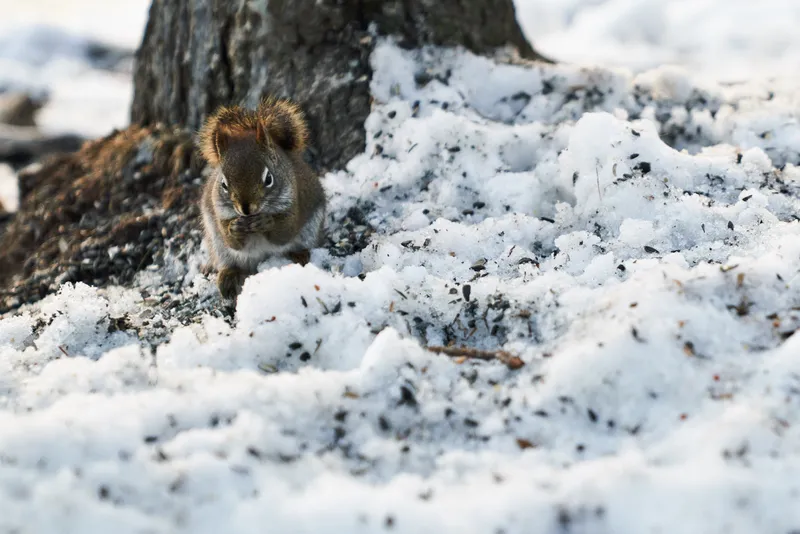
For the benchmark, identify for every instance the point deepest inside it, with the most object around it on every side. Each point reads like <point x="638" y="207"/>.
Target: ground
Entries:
<point x="631" y="236"/>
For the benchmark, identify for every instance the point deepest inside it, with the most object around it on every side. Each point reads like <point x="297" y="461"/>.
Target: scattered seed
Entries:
<point x="479" y="265"/>
<point x="636" y="336"/>
<point x="524" y="444"/>
<point x="267" y="368"/>
<point x="466" y="289"/>
<point x="407" y="396"/>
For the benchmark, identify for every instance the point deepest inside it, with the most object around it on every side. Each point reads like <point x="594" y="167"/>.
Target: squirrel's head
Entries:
<point x="252" y="151"/>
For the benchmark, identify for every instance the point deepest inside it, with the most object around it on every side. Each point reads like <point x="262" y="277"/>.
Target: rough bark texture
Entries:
<point x="198" y="54"/>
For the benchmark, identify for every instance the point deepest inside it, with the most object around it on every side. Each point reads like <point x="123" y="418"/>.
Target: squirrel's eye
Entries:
<point x="224" y="183"/>
<point x="267" y="178"/>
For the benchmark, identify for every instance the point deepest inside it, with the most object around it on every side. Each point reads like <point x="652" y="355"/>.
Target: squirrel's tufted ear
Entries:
<point x="283" y="121"/>
<point x="213" y="140"/>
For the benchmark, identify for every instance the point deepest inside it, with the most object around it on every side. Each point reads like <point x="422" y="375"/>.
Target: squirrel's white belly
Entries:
<point x="257" y="249"/>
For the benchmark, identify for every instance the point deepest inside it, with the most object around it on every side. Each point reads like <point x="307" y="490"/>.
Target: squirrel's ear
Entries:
<point x="213" y="140"/>
<point x="283" y="121"/>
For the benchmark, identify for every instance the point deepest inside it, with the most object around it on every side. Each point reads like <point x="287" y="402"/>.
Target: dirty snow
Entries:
<point x="632" y="237"/>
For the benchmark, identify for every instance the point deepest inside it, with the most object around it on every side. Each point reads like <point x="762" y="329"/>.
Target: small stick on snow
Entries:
<point x="597" y="174"/>
<point x="511" y="361"/>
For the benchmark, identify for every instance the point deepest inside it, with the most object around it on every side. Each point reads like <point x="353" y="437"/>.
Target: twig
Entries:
<point x="511" y="361"/>
<point x="597" y="174"/>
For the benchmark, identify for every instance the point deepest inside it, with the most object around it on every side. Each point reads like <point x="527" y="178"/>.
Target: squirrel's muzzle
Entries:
<point x="245" y="208"/>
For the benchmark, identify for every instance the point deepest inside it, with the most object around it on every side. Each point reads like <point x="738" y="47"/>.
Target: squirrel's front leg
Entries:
<point x="230" y="281"/>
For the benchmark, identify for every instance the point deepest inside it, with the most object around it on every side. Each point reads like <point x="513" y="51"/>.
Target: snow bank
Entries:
<point x="651" y="293"/>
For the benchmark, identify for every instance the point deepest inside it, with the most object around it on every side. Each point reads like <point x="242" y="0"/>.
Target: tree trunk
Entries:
<point x="198" y="54"/>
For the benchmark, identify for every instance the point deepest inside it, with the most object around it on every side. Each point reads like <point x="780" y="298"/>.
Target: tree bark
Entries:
<point x="199" y="54"/>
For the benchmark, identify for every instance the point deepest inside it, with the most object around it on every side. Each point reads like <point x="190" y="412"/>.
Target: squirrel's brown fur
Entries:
<point x="262" y="197"/>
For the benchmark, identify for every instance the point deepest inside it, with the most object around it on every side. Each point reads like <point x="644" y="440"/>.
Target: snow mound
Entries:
<point x="644" y="271"/>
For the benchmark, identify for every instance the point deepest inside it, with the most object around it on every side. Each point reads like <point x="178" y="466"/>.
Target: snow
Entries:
<point x="9" y="191"/>
<point x="632" y="236"/>
<point x="726" y="40"/>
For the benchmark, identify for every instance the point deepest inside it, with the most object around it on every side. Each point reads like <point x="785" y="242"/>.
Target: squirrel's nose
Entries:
<point x="245" y="209"/>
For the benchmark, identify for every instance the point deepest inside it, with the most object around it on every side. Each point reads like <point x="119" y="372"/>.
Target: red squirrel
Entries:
<point x="261" y="198"/>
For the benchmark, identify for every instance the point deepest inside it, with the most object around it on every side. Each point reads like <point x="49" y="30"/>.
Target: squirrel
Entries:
<point x="261" y="198"/>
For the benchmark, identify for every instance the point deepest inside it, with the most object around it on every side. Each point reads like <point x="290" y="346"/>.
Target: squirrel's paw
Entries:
<point x="237" y="233"/>
<point x="301" y="257"/>
<point x="230" y="281"/>
<point x="259" y="223"/>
